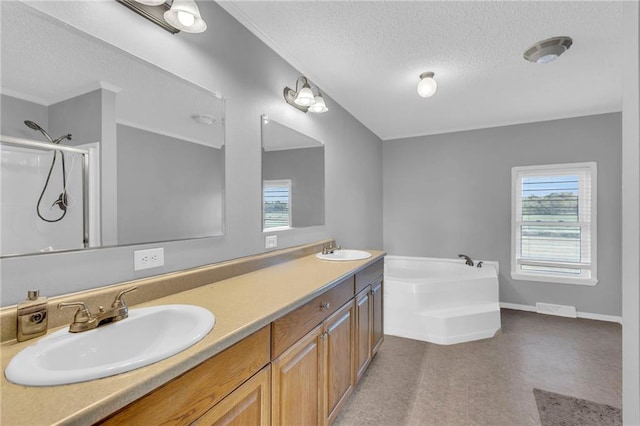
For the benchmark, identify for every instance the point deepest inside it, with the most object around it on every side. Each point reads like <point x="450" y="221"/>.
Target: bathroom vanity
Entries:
<point x="291" y="341"/>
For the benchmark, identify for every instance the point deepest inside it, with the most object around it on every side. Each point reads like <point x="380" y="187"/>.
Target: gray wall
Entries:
<point x="15" y="111"/>
<point x="305" y="168"/>
<point x="228" y="59"/>
<point x="449" y="194"/>
<point x="167" y="188"/>
<point x="81" y="116"/>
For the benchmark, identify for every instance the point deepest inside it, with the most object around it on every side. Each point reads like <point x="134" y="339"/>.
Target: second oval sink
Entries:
<point x="345" y="254"/>
<point x="148" y="335"/>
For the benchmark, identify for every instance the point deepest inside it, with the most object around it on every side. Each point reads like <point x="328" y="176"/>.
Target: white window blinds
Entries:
<point x="554" y="223"/>
<point x="276" y="204"/>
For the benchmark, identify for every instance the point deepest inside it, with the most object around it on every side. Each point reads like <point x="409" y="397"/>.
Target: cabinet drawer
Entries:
<point x="187" y="397"/>
<point x="369" y="274"/>
<point x="288" y="329"/>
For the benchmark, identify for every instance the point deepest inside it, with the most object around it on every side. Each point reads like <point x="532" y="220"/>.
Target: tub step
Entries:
<point x="461" y="311"/>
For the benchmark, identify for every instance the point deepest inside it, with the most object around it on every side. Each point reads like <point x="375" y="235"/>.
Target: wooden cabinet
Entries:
<point x="313" y="379"/>
<point x="250" y="404"/>
<point x="187" y="397"/>
<point x="297" y="382"/>
<point x="300" y="370"/>
<point x="339" y="360"/>
<point x="289" y="328"/>
<point x="369" y="316"/>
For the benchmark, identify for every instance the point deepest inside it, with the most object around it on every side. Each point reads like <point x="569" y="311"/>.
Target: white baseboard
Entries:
<point x="585" y="315"/>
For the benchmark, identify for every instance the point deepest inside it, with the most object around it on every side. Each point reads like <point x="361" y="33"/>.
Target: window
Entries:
<point x="553" y="225"/>
<point x="276" y="204"/>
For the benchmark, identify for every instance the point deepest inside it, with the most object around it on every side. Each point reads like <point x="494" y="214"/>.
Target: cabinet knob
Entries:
<point x="325" y="305"/>
<point x="324" y="336"/>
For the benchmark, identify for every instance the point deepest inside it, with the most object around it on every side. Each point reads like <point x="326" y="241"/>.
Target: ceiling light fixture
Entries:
<point x="427" y="85"/>
<point x="175" y="16"/>
<point x="548" y="50"/>
<point x="303" y="98"/>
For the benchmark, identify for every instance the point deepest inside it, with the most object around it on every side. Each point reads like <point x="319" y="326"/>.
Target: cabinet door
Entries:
<point x="297" y="396"/>
<point x="250" y="404"/>
<point x="377" y="328"/>
<point x="363" y="332"/>
<point x="339" y="359"/>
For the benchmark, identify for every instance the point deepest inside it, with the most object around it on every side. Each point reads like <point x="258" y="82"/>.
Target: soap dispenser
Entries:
<point x="32" y="316"/>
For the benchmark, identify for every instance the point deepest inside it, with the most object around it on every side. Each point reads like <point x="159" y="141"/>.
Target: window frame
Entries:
<point x="278" y="182"/>
<point x="584" y="170"/>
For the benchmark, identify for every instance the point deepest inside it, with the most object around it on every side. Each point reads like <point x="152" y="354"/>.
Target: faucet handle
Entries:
<point x="82" y="314"/>
<point x="118" y="302"/>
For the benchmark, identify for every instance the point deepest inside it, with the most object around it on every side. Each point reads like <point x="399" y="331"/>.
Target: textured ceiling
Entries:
<point x="367" y="55"/>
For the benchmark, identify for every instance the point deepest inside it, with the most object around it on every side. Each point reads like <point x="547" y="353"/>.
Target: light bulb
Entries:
<point x="318" y="105"/>
<point x="187" y="19"/>
<point x="547" y="58"/>
<point x="305" y="96"/>
<point x="427" y="86"/>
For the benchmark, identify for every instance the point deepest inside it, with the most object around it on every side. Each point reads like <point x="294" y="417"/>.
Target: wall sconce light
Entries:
<point x="176" y="16"/>
<point x="303" y="98"/>
<point x="427" y="86"/>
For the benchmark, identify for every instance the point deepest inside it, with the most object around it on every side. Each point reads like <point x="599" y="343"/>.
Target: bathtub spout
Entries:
<point x="468" y="260"/>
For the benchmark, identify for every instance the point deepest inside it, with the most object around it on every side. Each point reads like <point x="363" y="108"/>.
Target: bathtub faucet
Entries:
<point x="468" y="260"/>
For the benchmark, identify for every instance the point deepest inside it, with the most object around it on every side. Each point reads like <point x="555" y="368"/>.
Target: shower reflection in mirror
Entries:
<point x="44" y="190"/>
<point x="292" y="178"/>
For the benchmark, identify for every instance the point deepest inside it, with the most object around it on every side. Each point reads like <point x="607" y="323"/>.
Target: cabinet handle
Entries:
<point x="324" y="335"/>
<point x="325" y="305"/>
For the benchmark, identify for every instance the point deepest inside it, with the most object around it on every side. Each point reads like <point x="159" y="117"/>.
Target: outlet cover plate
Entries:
<point x="146" y="259"/>
<point x="271" y="241"/>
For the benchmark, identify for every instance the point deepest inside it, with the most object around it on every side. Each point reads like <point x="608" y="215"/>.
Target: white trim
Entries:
<point x="600" y="317"/>
<point x="517" y="307"/>
<point x="554" y="279"/>
<point x="583" y="315"/>
<point x="95" y="230"/>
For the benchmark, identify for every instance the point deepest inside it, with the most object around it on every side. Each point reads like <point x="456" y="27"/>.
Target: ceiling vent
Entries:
<point x="548" y="50"/>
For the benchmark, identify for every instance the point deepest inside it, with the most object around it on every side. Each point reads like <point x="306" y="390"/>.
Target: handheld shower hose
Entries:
<point x="62" y="199"/>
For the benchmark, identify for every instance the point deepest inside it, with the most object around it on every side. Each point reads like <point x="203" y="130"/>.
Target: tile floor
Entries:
<point x="489" y="382"/>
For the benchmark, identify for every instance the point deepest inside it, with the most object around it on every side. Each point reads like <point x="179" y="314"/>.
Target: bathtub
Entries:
<point x="440" y="301"/>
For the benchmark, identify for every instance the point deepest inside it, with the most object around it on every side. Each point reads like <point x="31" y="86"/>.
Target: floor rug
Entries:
<point x="561" y="410"/>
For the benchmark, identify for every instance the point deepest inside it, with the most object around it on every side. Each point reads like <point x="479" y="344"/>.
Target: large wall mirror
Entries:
<point x="156" y="143"/>
<point x="292" y="178"/>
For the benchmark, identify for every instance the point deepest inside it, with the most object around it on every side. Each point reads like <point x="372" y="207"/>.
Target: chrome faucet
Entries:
<point x="84" y="320"/>
<point x="330" y="247"/>
<point x="468" y="260"/>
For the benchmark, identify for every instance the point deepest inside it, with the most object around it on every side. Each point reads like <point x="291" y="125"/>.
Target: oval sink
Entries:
<point x="148" y="335"/>
<point x="345" y="254"/>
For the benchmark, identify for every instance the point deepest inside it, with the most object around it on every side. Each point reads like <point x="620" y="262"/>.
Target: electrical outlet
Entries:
<point x="145" y="259"/>
<point x="271" y="241"/>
